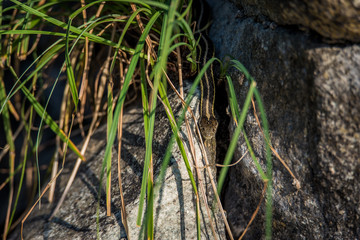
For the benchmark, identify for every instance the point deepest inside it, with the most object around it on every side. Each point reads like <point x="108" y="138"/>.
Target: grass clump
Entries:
<point x="100" y="52"/>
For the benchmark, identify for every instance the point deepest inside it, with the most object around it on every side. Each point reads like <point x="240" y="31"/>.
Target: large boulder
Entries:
<point x="311" y="91"/>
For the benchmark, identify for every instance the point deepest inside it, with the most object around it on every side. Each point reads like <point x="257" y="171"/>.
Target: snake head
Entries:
<point x="208" y="127"/>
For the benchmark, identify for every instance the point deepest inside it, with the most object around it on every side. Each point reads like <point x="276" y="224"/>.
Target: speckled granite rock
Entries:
<point x="311" y="92"/>
<point x="174" y="212"/>
<point x="337" y="20"/>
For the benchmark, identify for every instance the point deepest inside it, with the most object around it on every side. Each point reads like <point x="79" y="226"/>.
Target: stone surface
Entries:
<point x="337" y="20"/>
<point x="174" y="211"/>
<point x="311" y="92"/>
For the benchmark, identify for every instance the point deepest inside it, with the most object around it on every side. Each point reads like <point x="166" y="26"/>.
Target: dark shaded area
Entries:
<point x="335" y="21"/>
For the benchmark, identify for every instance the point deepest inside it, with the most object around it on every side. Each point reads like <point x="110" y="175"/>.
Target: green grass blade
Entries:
<point x="269" y="168"/>
<point x="235" y="110"/>
<point x="44" y="109"/>
<point x="150" y="209"/>
<point x="263" y="176"/>
<point x="69" y="70"/>
<point x="176" y="131"/>
<point x="148" y="154"/>
<point x="108" y="159"/>
<point x="51" y="123"/>
<point x="178" y="45"/>
<point x="235" y="137"/>
<point x="35" y="32"/>
<point x="238" y="65"/>
<point x="148" y="135"/>
<point x="144" y="97"/>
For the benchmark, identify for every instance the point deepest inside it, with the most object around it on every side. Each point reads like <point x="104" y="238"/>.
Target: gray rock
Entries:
<point x="311" y="92"/>
<point x="337" y="20"/>
<point x="174" y="211"/>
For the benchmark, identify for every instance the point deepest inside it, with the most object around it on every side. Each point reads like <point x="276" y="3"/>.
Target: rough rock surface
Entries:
<point x="337" y="20"/>
<point x="174" y="211"/>
<point x="311" y="92"/>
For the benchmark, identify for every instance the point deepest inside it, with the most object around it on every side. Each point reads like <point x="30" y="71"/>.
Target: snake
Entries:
<point x="208" y="122"/>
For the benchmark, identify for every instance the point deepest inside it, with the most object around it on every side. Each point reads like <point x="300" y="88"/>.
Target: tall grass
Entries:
<point x="76" y="35"/>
